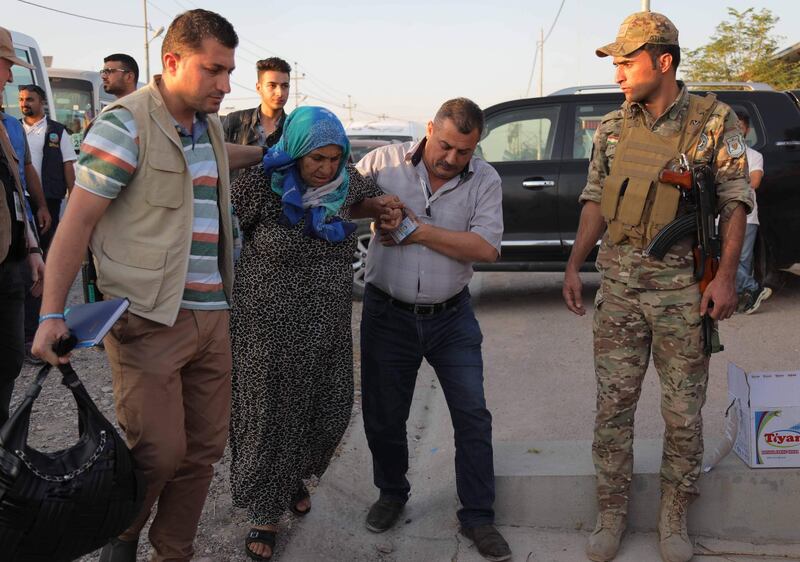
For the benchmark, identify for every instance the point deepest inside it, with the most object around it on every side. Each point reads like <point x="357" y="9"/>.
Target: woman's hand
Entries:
<point x="386" y="237"/>
<point x="390" y="220"/>
<point x="387" y="208"/>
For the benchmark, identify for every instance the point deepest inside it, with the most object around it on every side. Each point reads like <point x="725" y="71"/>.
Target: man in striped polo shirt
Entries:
<point x="154" y="203"/>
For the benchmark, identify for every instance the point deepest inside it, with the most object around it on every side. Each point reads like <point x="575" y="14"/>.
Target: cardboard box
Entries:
<point x="769" y="417"/>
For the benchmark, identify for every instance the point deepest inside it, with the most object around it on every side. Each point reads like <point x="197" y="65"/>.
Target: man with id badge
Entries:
<point x="417" y="305"/>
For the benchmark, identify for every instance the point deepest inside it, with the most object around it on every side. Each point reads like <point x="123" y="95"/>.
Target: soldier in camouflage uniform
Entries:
<point x="646" y="305"/>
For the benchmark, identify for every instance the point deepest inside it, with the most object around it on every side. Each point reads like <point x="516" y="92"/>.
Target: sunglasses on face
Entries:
<point x="107" y="71"/>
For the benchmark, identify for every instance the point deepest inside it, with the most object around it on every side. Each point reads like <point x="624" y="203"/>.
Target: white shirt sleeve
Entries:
<point x="366" y="166"/>
<point x="755" y="161"/>
<point x="67" y="149"/>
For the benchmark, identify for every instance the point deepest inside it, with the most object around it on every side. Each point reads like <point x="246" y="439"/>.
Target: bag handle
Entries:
<point x="17" y="426"/>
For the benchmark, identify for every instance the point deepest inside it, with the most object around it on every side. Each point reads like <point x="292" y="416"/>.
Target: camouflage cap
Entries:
<point x="638" y="29"/>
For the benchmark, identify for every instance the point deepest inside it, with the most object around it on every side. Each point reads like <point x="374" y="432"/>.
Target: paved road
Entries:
<point x="539" y="373"/>
<point x="540" y="385"/>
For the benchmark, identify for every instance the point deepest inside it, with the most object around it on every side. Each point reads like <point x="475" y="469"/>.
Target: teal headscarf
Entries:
<point x="307" y="129"/>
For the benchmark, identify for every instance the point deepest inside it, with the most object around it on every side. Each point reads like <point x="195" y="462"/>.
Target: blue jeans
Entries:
<point x="393" y="344"/>
<point x="744" y="274"/>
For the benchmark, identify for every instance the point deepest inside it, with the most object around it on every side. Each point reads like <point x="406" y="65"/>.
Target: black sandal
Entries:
<point x="300" y="495"/>
<point x="260" y="536"/>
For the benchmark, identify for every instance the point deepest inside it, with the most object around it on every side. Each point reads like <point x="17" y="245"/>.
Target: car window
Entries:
<point x="755" y="136"/>
<point x="520" y="135"/>
<point x="358" y="152"/>
<point x="74" y="105"/>
<point x="587" y="120"/>
<point x="22" y="76"/>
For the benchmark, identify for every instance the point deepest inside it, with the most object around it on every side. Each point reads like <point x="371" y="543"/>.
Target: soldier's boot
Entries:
<point x="604" y="540"/>
<point x="673" y="538"/>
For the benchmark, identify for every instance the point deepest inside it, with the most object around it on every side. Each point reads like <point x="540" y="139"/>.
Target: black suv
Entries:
<point x="541" y="148"/>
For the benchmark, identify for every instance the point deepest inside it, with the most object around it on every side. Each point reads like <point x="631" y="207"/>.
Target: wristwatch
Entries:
<point x="34" y="250"/>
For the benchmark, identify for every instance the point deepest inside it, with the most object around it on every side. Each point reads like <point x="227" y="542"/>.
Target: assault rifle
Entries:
<point x="697" y="188"/>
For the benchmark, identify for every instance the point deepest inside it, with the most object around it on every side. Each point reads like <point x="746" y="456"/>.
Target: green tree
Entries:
<point x="742" y="50"/>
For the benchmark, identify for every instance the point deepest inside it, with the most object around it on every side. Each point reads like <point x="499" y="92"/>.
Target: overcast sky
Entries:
<point x="401" y="58"/>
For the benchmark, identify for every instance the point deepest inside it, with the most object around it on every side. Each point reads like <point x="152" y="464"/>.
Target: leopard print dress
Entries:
<point x="292" y="349"/>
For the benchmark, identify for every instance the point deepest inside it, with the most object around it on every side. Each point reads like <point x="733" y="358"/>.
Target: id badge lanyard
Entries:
<point x="426" y="194"/>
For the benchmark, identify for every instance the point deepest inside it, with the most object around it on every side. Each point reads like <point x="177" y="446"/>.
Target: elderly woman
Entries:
<point x="290" y="322"/>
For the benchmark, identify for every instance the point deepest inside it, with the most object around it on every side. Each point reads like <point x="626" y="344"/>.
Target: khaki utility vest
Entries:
<point x="5" y="212"/>
<point x="141" y="244"/>
<point x="634" y="203"/>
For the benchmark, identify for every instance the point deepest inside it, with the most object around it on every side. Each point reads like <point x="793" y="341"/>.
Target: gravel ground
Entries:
<point x="220" y="536"/>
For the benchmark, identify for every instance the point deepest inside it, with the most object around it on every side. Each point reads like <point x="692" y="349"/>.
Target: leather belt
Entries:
<point x="421" y="309"/>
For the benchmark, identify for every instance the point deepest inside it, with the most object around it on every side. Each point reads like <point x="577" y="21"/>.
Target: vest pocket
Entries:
<point x="163" y="191"/>
<point x="665" y="206"/>
<point x="632" y="206"/>
<point x="132" y="270"/>
<point x="612" y="188"/>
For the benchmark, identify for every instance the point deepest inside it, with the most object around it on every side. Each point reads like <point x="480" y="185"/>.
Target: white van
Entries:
<point x="79" y="97"/>
<point x="392" y="131"/>
<point x="27" y="49"/>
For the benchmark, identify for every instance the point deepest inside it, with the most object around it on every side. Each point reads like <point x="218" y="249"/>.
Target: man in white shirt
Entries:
<point x="52" y="153"/>
<point x="751" y="295"/>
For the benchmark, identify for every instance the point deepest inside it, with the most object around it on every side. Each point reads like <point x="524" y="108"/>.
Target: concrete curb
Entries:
<point x="552" y="484"/>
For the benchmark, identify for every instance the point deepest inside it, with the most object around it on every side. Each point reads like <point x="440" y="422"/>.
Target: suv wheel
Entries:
<point x="360" y="262"/>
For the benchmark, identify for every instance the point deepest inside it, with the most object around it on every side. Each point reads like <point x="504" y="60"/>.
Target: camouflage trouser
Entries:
<point x="628" y="323"/>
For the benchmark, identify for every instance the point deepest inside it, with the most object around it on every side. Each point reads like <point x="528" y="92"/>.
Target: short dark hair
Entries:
<point x="35" y="89"/>
<point x="743" y="117"/>
<point x="656" y="50"/>
<point x="127" y="62"/>
<point x="464" y="113"/>
<point x="275" y="64"/>
<point x="187" y="31"/>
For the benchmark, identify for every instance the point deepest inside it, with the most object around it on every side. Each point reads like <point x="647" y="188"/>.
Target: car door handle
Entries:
<point x="537" y="183"/>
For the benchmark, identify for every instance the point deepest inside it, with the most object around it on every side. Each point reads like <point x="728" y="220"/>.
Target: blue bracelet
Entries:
<point x="53" y="316"/>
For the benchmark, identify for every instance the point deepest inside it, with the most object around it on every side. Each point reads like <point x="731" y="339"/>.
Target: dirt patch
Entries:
<point x="54" y="426"/>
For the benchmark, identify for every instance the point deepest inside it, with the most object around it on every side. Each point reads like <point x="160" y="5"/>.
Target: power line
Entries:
<point x="555" y="20"/>
<point x="318" y="81"/>
<point x="330" y="102"/>
<point x="328" y="89"/>
<point x="181" y="6"/>
<point x="260" y="47"/>
<point x="172" y="16"/>
<point x="533" y="68"/>
<point x="80" y="16"/>
<point x="540" y="46"/>
<point x="346" y="106"/>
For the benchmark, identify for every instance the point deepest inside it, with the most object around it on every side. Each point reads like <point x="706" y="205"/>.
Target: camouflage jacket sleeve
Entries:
<point x="603" y="147"/>
<point x="723" y="141"/>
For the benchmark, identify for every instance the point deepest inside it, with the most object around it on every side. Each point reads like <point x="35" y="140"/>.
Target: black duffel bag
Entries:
<point x="62" y="505"/>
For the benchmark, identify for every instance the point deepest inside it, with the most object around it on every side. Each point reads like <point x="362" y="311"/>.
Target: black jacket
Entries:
<point x="241" y="127"/>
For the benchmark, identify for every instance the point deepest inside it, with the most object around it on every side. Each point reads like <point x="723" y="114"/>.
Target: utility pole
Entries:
<point x="146" y="43"/>
<point x="541" y="62"/>
<point x="350" y="107"/>
<point x="297" y="77"/>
